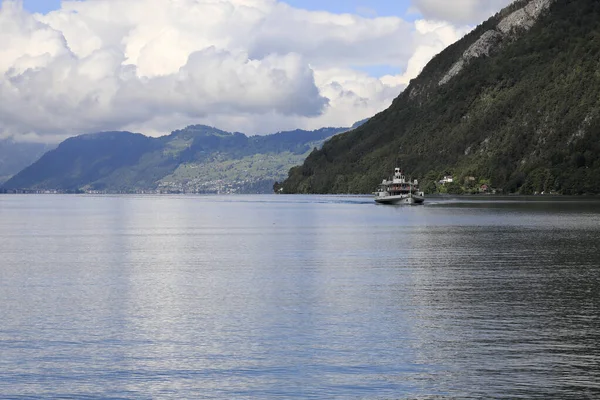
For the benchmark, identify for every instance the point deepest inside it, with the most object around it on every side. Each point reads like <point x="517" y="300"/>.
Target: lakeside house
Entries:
<point x="446" y="179"/>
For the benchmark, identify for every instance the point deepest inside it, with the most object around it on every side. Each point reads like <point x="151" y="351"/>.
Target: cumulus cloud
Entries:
<point x="433" y="37"/>
<point x="255" y="66"/>
<point x="460" y="11"/>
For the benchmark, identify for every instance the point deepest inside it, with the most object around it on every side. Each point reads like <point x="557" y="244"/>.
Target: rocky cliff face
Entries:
<point x="525" y="17"/>
<point x="520" y="20"/>
<point x="482" y="47"/>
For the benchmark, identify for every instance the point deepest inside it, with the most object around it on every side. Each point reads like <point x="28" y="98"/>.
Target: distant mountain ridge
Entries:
<point x="198" y="159"/>
<point x="14" y="156"/>
<point x="515" y="103"/>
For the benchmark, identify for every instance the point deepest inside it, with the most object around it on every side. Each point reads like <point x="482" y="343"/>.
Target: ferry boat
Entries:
<point x="399" y="191"/>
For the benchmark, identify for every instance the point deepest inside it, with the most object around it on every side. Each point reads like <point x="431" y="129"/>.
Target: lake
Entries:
<point x="307" y="297"/>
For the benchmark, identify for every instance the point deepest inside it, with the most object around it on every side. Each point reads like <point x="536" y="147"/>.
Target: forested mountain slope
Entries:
<point x="515" y="103"/>
<point x="197" y="159"/>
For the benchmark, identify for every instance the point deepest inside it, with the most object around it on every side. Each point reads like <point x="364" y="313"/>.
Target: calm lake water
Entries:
<point x="276" y="297"/>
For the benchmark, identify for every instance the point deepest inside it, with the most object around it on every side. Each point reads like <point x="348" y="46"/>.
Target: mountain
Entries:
<point x="14" y="156"/>
<point x="514" y="104"/>
<point x="198" y="159"/>
<point x="360" y="123"/>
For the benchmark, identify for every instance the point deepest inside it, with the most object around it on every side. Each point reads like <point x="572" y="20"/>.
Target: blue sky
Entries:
<point x="364" y="7"/>
<point x="379" y="7"/>
<point x="41" y="6"/>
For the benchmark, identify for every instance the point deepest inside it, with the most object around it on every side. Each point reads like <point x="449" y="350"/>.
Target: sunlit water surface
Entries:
<point x="276" y="297"/>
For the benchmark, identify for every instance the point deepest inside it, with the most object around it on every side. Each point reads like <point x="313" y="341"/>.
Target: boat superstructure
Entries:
<point x="399" y="190"/>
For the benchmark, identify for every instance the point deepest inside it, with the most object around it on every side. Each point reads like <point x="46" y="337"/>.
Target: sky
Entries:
<point x="41" y="6"/>
<point x="254" y="66"/>
<point x="365" y="7"/>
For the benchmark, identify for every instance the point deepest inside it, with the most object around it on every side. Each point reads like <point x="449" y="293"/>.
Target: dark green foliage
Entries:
<point x="526" y="119"/>
<point x="454" y="188"/>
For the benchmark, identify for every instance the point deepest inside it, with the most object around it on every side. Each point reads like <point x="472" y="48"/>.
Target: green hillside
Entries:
<point x="515" y="103"/>
<point x="197" y="159"/>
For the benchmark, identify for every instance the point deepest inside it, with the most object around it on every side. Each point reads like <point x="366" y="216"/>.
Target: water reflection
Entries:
<point x="297" y="297"/>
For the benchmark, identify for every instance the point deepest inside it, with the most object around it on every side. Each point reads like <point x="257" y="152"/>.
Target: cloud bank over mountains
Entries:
<point x="459" y="11"/>
<point x="255" y="66"/>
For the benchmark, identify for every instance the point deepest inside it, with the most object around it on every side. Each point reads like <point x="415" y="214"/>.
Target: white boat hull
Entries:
<point x="400" y="199"/>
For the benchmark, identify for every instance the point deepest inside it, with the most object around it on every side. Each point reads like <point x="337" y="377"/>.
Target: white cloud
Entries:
<point x="255" y="66"/>
<point x="460" y="11"/>
<point x="433" y="37"/>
